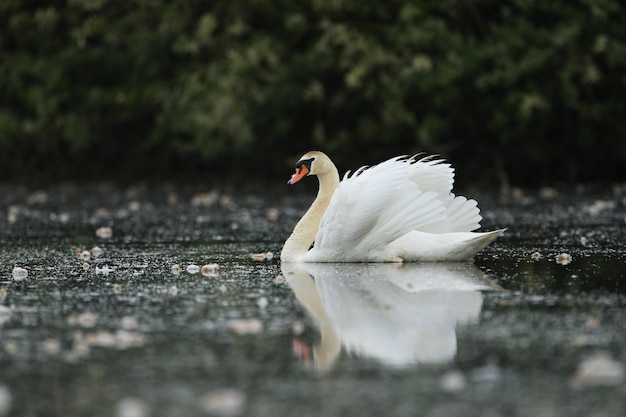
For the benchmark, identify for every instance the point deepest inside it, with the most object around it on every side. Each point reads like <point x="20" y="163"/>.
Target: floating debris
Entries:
<point x="245" y="326"/>
<point x="583" y="240"/>
<point x="84" y="255"/>
<point x="105" y="270"/>
<point x="224" y="402"/>
<point x="132" y="407"/>
<point x="87" y="319"/>
<point x="453" y="381"/>
<point x="51" y="346"/>
<point x="176" y="269"/>
<point x="171" y="198"/>
<point x="223" y="288"/>
<point x="488" y="373"/>
<point x="279" y="279"/>
<point x="37" y="197"/>
<point x="5" y="314"/>
<point x="64" y="218"/>
<point x="129" y="323"/>
<point x="563" y="258"/>
<point x="3" y="294"/>
<point x="599" y="206"/>
<point x="134" y="206"/>
<point x="5" y="400"/>
<point x="19" y="273"/>
<point x="267" y="256"/>
<point x="535" y="256"/>
<point x="13" y="213"/>
<point x="173" y="290"/>
<point x="125" y="339"/>
<point x="210" y="270"/>
<point x="117" y="288"/>
<point x="104" y="232"/>
<point x="204" y="199"/>
<point x="97" y="251"/>
<point x="193" y="269"/>
<point x="297" y="328"/>
<point x="262" y="303"/>
<point x="272" y="214"/>
<point x="598" y="370"/>
<point x="86" y="266"/>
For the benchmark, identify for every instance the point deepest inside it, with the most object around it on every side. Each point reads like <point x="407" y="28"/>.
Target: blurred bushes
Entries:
<point x="529" y="91"/>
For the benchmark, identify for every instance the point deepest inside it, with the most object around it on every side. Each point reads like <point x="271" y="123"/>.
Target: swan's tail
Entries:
<point x="483" y="239"/>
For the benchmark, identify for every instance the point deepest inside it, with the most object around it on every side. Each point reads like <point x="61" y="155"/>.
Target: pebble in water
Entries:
<point x="19" y="273"/>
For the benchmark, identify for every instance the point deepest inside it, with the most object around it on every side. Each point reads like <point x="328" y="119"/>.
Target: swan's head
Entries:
<point x="311" y="163"/>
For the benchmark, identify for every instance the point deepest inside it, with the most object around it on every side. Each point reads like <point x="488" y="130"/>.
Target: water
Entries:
<point x="509" y="335"/>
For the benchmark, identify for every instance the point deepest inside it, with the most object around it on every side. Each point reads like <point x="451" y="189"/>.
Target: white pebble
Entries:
<point x="19" y="274"/>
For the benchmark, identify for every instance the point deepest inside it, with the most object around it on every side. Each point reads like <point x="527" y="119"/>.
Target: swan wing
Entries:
<point x="374" y="207"/>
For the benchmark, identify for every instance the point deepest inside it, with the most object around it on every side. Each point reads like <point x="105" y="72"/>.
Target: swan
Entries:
<point x="401" y="210"/>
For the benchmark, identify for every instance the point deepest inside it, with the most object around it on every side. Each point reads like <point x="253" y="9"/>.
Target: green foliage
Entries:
<point x="535" y="90"/>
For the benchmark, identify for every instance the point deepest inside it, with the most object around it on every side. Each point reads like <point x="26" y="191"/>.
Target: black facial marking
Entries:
<point x="306" y="162"/>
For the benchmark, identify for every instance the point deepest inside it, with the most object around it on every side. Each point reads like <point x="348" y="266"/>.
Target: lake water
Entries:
<point x="136" y="331"/>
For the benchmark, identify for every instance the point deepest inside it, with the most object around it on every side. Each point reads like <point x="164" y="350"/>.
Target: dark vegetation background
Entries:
<point x="522" y="92"/>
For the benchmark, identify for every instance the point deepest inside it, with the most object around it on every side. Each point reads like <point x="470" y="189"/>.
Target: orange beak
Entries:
<point x="301" y="172"/>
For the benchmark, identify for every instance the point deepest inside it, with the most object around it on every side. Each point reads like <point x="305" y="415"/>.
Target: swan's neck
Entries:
<point x="303" y="234"/>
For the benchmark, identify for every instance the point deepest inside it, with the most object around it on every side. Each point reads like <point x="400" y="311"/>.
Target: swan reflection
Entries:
<point x="397" y="314"/>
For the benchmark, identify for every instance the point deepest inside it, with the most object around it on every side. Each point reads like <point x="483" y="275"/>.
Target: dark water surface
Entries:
<point x="125" y="334"/>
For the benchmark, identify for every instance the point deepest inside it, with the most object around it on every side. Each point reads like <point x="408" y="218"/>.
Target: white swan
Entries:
<point x="400" y="210"/>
